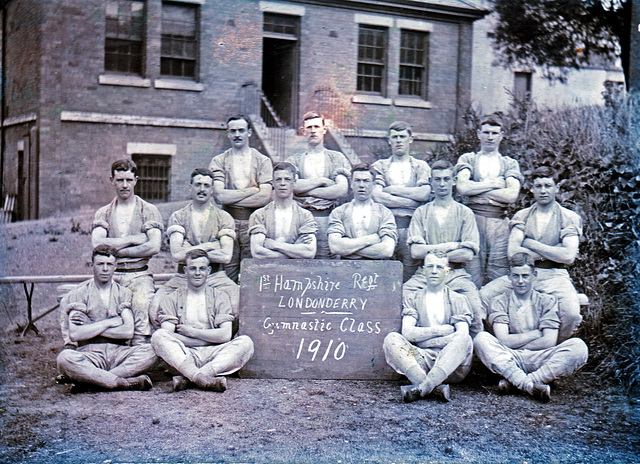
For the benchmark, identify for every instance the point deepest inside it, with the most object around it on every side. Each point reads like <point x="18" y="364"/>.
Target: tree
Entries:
<point x="555" y="34"/>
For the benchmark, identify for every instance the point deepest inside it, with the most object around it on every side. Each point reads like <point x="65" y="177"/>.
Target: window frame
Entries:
<point x="148" y="183"/>
<point x="122" y="38"/>
<point x="424" y="38"/>
<point x="382" y="64"/>
<point x="195" y="40"/>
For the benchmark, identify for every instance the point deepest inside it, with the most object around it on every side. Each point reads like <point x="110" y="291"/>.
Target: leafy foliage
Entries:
<point x="569" y="33"/>
<point x="596" y="151"/>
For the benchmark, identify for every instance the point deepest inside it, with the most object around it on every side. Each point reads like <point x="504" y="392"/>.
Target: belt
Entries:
<point x="488" y="211"/>
<point x="548" y="264"/>
<point x="402" y="222"/>
<point x="320" y="212"/>
<point x="239" y="212"/>
<point x="138" y="269"/>
<point x="104" y="340"/>
<point x="215" y="267"/>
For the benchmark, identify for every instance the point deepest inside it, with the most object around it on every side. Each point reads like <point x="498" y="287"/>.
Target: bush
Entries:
<point x="595" y="151"/>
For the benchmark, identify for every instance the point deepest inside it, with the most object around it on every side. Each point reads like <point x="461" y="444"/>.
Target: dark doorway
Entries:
<point x="280" y="77"/>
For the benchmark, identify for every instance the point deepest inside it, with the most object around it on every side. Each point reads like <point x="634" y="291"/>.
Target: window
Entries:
<point x="179" y="49"/>
<point x="414" y="53"/>
<point x="124" y="36"/>
<point x="281" y="24"/>
<point x="372" y="46"/>
<point x="153" y="176"/>
<point x="522" y="86"/>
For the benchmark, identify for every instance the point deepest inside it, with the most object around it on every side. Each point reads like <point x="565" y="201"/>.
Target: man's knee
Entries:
<point x="160" y="337"/>
<point x="578" y="349"/>
<point x="392" y="341"/>
<point x="482" y="342"/>
<point x="244" y="343"/>
<point x="464" y="342"/>
<point x="67" y="358"/>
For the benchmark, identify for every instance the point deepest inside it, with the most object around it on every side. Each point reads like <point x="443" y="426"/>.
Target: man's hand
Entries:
<point x="437" y="342"/>
<point x="186" y="330"/>
<point x="78" y="318"/>
<point x="138" y="239"/>
<point x="306" y="239"/>
<point x="497" y="183"/>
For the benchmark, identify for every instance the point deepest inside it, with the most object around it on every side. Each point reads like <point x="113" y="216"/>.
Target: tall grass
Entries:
<point x="596" y="151"/>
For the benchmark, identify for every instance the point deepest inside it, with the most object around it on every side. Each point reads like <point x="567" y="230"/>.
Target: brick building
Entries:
<point x="88" y="82"/>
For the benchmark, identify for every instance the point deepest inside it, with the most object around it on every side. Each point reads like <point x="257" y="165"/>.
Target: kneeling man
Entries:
<point x="101" y="322"/>
<point x="524" y="350"/>
<point x="195" y="333"/>
<point x="435" y="347"/>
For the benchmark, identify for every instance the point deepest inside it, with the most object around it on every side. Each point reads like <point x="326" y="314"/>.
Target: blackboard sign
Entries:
<point x="319" y="319"/>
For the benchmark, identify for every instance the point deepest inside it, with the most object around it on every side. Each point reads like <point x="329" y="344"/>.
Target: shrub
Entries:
<point x="595" y="151"/>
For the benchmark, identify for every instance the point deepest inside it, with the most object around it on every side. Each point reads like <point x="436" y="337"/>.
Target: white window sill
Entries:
<point x="411" y="102"/>
<point x="371" y="99"/>
<point x="177" y="84"/>
<point x="128" y="81"/>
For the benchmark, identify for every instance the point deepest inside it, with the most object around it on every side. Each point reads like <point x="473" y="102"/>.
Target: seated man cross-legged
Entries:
<point x="524" y="350"/>
<point x="100" y="320"/>
<point x="195" y="334"/>
<point x="435" y="347"/>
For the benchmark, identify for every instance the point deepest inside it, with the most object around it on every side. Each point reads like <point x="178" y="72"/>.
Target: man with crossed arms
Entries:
<point x="434" y="348"/>
<point x="134" y="228"/>
<point x="525" y="349"/>
<point x="242" y="184"/>
<point x="449" y="227"/>
<point x="101" y="322"/>
<point x="322" y="178"/>
<point x="195" y="337"/>
<point x="490" y="182"/>
<point x="551" y="234"/>
<point x="362" y="229"/>
<point x="402" y="184"/>
<point x="200" y="224"/>
<point x="283" y="229"/>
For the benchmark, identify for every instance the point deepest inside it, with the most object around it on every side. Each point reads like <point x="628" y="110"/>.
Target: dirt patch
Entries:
<point x="261" y="420"/>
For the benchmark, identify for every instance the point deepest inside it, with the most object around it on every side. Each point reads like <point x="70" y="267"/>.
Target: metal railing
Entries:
<point x="268" y="127"/>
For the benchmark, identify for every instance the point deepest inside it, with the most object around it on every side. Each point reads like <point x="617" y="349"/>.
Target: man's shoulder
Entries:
<point x="147" y="206"/>
<point x="568" y="212"/>
<point x="106" y="208"/>
<point x="417" y="162"/>
<point x="260" y="156"/>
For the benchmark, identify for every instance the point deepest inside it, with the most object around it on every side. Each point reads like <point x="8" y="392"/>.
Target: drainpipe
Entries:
<point x="3" y="87"/>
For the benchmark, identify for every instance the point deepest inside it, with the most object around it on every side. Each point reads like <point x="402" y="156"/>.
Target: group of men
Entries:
<point x="116" y="327"/>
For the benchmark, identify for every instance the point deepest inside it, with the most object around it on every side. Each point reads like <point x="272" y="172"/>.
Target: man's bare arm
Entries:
<point x="382" y="250"/>
<point x="508" y="194"/>
<point x="466" y="186"/>
<point x="256" y="200"/>
<point x="392" y="201"/>
<point x="549" y="338"/>
<point x="419" y="194"/>
<point x="514" y="341"/>
<point x="304" y="186"/>
<point x="218" y="335"/>
<point x="416" y="334"/>
<point x="146" y="249"/>
<point x="344" y="246"/>
<point x="303" y="250"/>
<point x="565" y="252"/>
<point x="332" y="192"/>
<point x="99" y="237"/>
<point x="514" y="245"/>
<point x="259" y="251"/>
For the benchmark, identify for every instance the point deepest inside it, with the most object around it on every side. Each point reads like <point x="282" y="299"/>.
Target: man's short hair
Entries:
<point x="493" y="119"/>
<point x="437" y="254"/>
<point x="195" y="254"/>
<point x="201" y="172"/>
<point x="364" y="167"/>
<point x="522" y="259"/>
<point x="312" y="115"/>
<point x="400" y="126"/>
<point x="104" y="250"/>
<point x="239" y="117"/>
<point x="123" y="165"/>
<point x="544" y="171"/>
<point x="442" y="164"/>
<point x="284" y="166"/>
